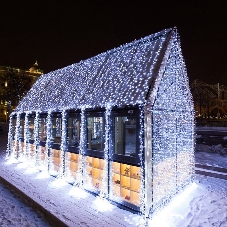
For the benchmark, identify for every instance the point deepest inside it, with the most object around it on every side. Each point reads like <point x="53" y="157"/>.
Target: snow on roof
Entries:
<point x="121" y="76"/>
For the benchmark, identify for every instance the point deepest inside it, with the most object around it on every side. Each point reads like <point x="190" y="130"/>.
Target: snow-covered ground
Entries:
<point x="215" y="155"/>
<point x="13" y="212"/>
<point x="202" y="204"/>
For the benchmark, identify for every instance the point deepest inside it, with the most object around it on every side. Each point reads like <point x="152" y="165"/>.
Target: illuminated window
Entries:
<point x="14" y="122"/>
<point x="73" y="129"/>
<point x="22" y="125"/>
<point x="95" y="131"/>
<point x="31" y="126"/>
<point x="43" y="127"/>
<point x="56" y="128"/>
<point x="126" y="129"/>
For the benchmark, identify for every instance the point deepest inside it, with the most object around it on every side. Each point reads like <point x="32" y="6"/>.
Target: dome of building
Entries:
<point x="34" y="68"/>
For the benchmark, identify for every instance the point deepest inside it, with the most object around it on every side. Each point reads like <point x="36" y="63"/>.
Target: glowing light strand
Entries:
<point x="81" y="165"/>
<point x="63" y="148"/>
<point x="46" y="159"/>
<point x="170" y="133"/>
<point x="36" y="138"/>
<point x="121" y="77"/>
<point x="105" y="177"/>
<point x="142" y="169"/>
<point x="124" y="81"/>
<point x="11" y="143"/>
<point x="26" y="136"/>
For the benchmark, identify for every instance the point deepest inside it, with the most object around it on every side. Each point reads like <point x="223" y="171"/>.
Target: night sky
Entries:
<point x="60" y="33"/>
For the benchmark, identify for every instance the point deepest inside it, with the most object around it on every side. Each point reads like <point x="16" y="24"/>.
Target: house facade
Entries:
<point x="119" y="125"/>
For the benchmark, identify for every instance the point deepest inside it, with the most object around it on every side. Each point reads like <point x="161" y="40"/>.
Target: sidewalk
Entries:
<point x="63" y="204"/>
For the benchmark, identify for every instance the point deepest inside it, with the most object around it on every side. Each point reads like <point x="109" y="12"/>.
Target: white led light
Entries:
<point x="149" y="74"/>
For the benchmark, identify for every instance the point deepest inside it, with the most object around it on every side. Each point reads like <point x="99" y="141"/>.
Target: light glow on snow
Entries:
<point x="136" y="220"/>
<point x="43" y="175"/>
<point x="23" y="165"/>
<point x="57" y="183"/>
<point x="167" y="216"/>
<point x="78" y="193"/>
<point x="102" y="205"/>
<point x="31" y="170"/>
<point x="11" y="161"/>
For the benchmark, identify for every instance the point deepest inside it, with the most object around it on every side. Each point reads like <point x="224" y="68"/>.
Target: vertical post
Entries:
<point x="10" y="137"/>
<point x="81" y="165"/>
<point x="36" y="138"/>
<point x="148" y="160"/>
<point x="63" y="144"/>
<point x="48" y="140"/>
<point x="105" y="175"/>
<point x="26" y="135"/>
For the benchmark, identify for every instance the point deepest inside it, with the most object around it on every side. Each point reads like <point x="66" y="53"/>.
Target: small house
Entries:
<point x="120" y="124"/>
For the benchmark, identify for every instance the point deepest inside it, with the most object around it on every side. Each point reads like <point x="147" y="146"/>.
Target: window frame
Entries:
<point x="73" y="114"/>
<point x="42" y="115"/>
<point x="124" y="112"/>
<point x="31" y="116"/>
<point x="53" y="144"/>
<point x="94" y="113"/>
<point x="22" y="117"/>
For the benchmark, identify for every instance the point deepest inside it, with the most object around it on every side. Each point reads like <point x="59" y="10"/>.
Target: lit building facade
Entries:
<point x="209" y="100"/>
<point x="34" y="72"/>
<point x="119" y="125"/>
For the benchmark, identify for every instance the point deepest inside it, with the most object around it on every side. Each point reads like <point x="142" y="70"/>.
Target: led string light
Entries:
<point x="68" y="156"/>
<point x="10" y="145"/>
<point x="172" y="137"/>
<point x="17" y="148"/>
<point x="63" y="148"/>
<point x="81" y="164"/>
<point x="105" y="177"/>
<point x="36" y="138"/>
<point x="46" y="160"/>
<point x="118" y="77"/>
<point x="26" y="136"/>
<point x="122" y="77"/>
<point x="142" y="170"/>
<point x="21" y="122"/>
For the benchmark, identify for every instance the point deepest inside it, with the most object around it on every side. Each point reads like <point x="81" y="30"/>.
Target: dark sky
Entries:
<point x="60" y="33"/>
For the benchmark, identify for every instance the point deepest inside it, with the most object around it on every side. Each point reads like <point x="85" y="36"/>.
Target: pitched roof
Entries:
<point x="121" y="76"/>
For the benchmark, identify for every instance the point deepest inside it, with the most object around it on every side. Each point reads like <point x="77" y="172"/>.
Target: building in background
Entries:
<point x="210" y="103"/>
<point x="21" y="79"/>
<point x="210" y="100"/>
